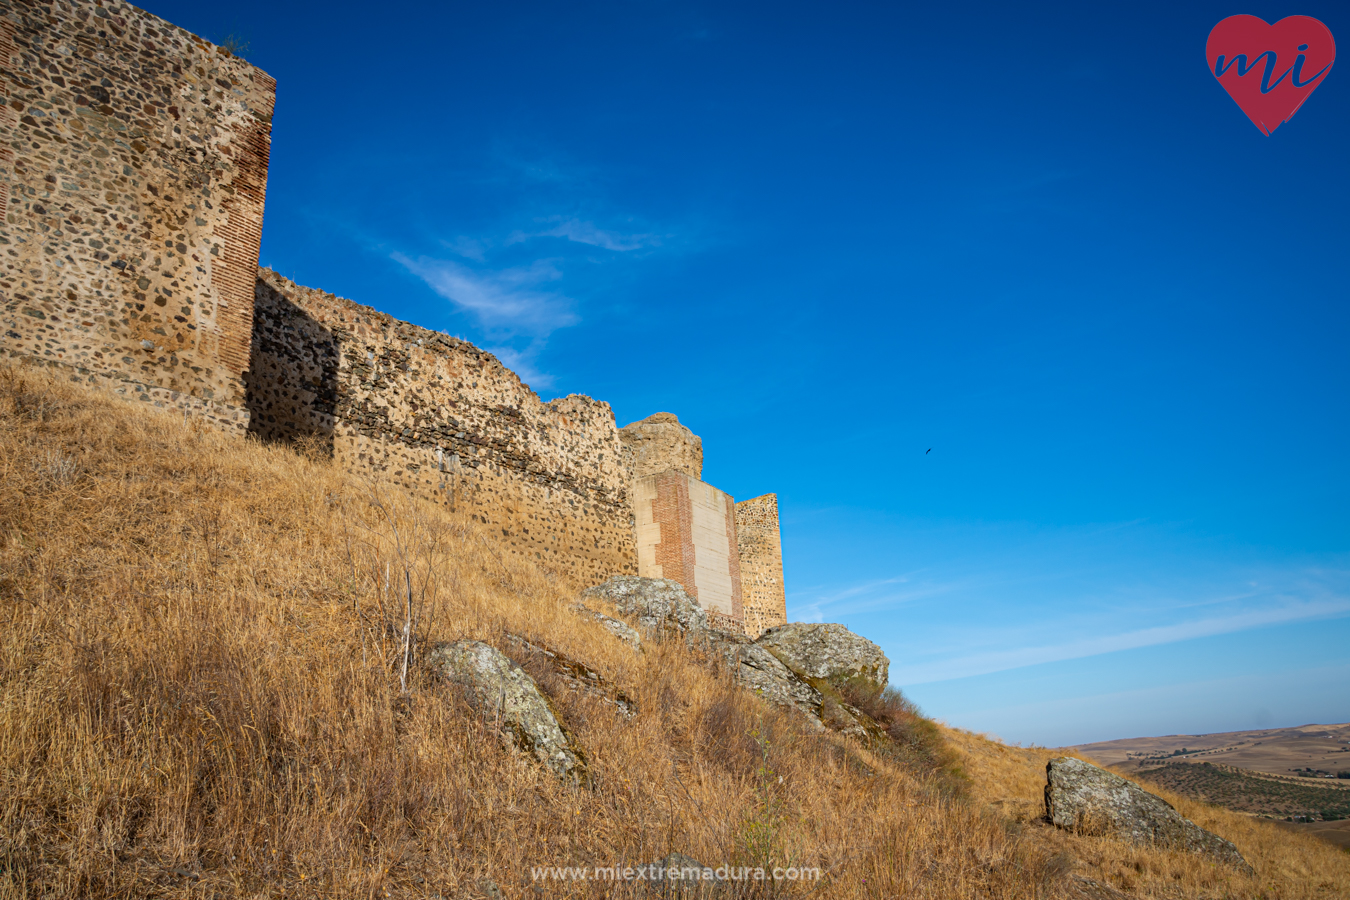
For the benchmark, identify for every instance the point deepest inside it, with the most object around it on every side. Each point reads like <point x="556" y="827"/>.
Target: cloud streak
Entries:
<point x="863" y="597"/>
<point x="1052" y="597"/>
<point x="582" y="232"/>
<point x="506" y="302"/>
<point x="1079" y="648"/>
<point x="525" y="364"/>
<point x="511" y="282"/>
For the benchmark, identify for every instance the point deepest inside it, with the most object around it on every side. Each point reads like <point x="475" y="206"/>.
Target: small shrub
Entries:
<point x="918" y="742"/>
<point x="235" y="44"/>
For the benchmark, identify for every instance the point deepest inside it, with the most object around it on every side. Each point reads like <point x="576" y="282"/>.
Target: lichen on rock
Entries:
<point x="1086" y="798"/>
<point x="759" y="671"/>
<point x="659" y="606"/>
<point x="575" y="675"/>
<point x="497" y="687"/>
<point x="827" y="651"/>
<point x="620" y="629"/>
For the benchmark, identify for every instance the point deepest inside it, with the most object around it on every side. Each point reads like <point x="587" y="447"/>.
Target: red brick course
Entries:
<point x="132" y="180"/>
<point x="672" y="510"/>
<point x="676" y="553"/>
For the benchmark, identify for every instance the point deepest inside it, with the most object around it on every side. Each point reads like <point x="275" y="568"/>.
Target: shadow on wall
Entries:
<point x="291" y="383"/>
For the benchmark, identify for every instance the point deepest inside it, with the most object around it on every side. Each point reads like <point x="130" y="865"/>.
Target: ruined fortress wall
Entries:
<point x="133" y="174"/>
<point x="659" y="442"/>
<point x="133" y="168"/>
<point x="438" y="415"/>
<point x="761" y="557"/>
<point x="686" y="531"/>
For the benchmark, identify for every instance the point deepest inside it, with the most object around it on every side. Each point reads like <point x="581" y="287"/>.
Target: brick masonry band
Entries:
<point x="133" y="176"/>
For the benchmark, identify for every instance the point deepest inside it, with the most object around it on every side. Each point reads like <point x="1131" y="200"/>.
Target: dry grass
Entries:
<point x="202" y="695"/>
<point x="1288" y="866"/>
<point x="917" y="743"/>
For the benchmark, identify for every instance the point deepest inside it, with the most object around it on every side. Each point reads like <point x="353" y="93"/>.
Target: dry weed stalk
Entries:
<point x="406" y="536"/>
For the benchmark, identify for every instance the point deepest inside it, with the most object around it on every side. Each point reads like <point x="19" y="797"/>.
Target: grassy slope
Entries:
<point x="1012" y="780"/>
<point x="200" y="695"/>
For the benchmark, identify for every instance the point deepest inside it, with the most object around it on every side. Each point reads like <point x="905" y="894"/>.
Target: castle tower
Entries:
<point x="759" y="545"/>
<point x="133" y="170"/>
<point x="689" y="531"/>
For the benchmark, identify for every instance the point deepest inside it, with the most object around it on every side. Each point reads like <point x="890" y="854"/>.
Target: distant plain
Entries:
<point x="1277" y="751"/>
<point x="1273" y="773"/>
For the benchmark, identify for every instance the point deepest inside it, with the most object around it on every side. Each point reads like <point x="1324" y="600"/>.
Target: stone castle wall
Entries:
<point x="133" y="174"/>
<point x="660" y="443"/>
<point x="133" y="169"/>
<point x="425" y="409"/>
<point x="760" y="549"/>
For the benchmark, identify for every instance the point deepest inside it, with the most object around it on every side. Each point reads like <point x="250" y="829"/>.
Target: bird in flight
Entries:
<point x="928" y="451"/>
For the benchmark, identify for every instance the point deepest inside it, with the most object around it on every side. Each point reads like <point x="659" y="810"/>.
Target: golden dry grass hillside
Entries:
<point x="1012" y="781"/>
<point x="203" y="694"/>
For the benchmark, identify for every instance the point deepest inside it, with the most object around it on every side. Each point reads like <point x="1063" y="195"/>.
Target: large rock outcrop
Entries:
<point x="1082" y="797"/>
<point x="497" y="687"/>
<point x="660" y="606"/>
<point x="788" y="666"/>
<point x="659" y="443"/>
<point x="758" y="670"/>
<point x="826" y="651"/>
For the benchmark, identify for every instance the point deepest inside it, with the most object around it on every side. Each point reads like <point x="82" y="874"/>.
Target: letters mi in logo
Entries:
<point x="1270" y="69"/>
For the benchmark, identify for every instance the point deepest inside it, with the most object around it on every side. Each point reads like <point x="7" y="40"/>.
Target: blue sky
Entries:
<point x="1040" y="240"/>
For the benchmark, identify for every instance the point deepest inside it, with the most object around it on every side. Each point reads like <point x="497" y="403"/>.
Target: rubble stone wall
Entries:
<point x="446" y="420"/>
<point x="133" y="170"/>
<point x="133" y="174"/>
<point x="659" y="442"/>
<point x="760" y="549"/>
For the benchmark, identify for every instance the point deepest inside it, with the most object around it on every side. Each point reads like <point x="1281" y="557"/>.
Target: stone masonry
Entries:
<point x="133" y="169"/>
<point x="659" y="443"/>
<point x="442" y="418"/>
<point x="133" y="174"/>
<point x="689" y="531"/>
<point x="760" y="549"/>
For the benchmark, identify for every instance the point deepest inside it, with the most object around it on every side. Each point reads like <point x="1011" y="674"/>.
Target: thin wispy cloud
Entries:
<point x="1054" y="596"/>
<point x="506" y="302"/>
<point x="1079" y="648"/>
<point x="583" y="232"/>
<point x="517" y="301"/>
<point x="887" y="593"/>
<point x="868" y="595"/>
<point x="529" y="275"/>
<point x="468" y="248"/>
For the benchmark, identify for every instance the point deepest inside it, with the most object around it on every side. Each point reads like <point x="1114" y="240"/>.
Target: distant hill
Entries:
<point x="1308" y="750"/>
<point x="1278" y="773"/>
